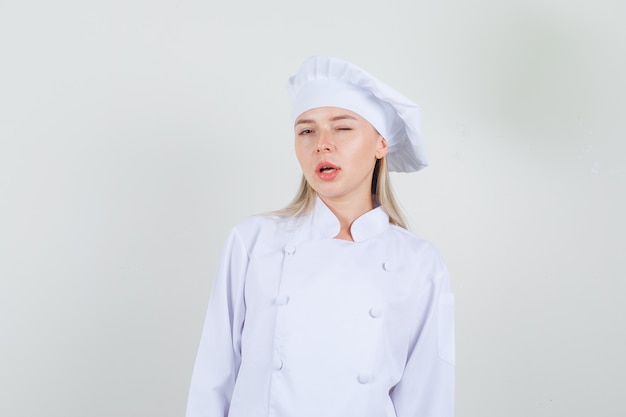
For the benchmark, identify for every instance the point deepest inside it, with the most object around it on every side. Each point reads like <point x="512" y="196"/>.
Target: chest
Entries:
<point x="330" y="289"/>
<point x="335" y="272"/>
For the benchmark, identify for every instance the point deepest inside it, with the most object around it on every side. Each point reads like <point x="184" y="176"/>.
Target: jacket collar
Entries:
<point x="369" y="224"/>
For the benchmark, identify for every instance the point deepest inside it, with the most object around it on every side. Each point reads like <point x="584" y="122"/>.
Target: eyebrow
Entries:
<point x="334" y="119"/>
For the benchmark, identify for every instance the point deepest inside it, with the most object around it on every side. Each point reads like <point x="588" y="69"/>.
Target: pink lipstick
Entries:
<point x="326" y="171"/>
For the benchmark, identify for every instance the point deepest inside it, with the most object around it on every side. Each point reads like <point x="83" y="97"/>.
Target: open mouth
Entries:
<point x="327" y="171"/>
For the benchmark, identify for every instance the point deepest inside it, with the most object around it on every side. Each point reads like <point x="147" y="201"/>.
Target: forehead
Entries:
<point x="319" y="114"/>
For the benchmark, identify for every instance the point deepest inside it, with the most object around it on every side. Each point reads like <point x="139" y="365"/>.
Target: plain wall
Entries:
<point x="134" y="134"/>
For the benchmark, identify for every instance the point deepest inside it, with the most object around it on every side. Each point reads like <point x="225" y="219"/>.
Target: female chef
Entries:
<point x="330" y="307"/>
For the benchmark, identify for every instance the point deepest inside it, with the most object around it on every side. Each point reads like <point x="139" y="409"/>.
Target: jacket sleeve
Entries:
<point x="427" y="385"/>
<point x="219" y="355"/>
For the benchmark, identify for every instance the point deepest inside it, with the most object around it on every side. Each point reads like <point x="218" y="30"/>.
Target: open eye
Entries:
<point x="305" y="132"/>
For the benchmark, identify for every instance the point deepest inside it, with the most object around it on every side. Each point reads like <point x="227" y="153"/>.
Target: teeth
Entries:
<point x="327" y="169"/>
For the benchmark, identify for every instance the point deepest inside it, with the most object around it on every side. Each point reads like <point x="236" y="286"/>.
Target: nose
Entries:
<point x="324" y="143"/>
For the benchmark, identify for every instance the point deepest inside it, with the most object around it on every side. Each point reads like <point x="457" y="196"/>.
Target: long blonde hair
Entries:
<point x="382" y="194"/>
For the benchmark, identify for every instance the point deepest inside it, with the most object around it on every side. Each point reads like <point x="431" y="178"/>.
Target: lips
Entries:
<point x="326" y="171"/>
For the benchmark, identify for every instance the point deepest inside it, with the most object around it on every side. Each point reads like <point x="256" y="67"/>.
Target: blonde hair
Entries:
<point x="382" y="194"/>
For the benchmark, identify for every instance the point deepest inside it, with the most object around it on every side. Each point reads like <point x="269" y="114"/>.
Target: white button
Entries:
<point x="281" y="300"/>
<point x="290" y="249"/>
<point x="363" y="378"/>
<point x="387" y="266"/>
<point x="278" y="364"/>
<point x="375" y="312"/>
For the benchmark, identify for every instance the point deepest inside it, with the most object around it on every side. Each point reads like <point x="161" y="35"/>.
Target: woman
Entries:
<point x="330" y="307"/>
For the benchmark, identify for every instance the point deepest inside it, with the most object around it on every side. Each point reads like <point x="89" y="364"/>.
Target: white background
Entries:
<point x="134" y="134"/>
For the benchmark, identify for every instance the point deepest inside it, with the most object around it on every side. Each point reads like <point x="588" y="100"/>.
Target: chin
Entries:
<point x="326" y="191"/>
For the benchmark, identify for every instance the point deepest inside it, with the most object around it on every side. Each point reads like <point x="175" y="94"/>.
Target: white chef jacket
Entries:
<point x="303" y="325"/>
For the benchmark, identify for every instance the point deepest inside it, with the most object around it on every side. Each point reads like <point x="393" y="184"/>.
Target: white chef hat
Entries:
<point x="324" y="81"/>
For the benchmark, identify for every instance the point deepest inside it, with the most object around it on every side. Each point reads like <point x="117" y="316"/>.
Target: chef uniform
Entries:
<point x="300" y="324"/>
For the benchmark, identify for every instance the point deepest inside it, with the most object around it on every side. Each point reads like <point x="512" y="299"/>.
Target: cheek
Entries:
<point x="367" y="152"/>
<point x="300" y="154"/>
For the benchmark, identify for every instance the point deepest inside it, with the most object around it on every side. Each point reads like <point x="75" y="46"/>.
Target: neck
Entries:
<point x="347" y="212"/>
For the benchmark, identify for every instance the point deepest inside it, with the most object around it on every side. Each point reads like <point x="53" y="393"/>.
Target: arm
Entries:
<point x="219" y="354"/>
<point x="427" y="385"/>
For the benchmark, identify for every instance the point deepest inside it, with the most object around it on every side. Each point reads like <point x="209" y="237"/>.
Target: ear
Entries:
<point x="381" y="148"/>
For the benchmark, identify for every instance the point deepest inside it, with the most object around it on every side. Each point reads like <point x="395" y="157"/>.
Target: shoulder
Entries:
<point x="265" y="229"/>
<point x="412" y="241"/>
<point x="255" y="224"/>
<point x="416" y="251"/>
